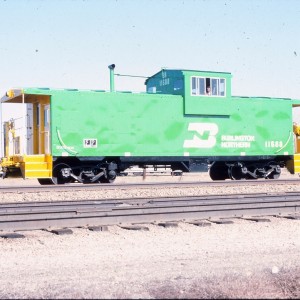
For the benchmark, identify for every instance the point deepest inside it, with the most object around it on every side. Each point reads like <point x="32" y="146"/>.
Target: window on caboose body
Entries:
<point x="200" y="85"/>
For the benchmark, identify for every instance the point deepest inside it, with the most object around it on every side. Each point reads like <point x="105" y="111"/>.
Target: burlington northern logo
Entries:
<point x="204" y="136"/>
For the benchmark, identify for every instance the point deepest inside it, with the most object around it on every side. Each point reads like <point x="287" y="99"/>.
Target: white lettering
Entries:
<point x="58" y="147"/>
<point x="237" y="138"/>
<point x="235" y="145"/>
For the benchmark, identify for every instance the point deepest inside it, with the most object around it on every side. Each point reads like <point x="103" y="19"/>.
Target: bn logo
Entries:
<point x="204" y="136"/>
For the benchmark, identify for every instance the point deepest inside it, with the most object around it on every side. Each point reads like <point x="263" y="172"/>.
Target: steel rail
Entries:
<point x="177" y="184"/>
<point x="30" y="216"/>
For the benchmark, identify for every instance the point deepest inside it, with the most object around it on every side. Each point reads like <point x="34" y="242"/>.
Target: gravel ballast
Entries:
<point x="245" y="259"/>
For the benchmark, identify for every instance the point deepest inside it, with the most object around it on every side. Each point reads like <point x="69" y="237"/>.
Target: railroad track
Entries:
<point x="91" y="213"/>
<point x="86" y="187"/>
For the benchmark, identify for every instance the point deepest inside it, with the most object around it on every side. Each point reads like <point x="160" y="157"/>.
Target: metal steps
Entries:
<point x="297" y="163"/>
<point x="36" y="166"/>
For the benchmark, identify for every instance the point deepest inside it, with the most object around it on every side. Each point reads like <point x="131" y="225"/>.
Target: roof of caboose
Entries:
<point x="188" y="71"/>
<point x="29" y="95"/>
<point x="16" y="95"/>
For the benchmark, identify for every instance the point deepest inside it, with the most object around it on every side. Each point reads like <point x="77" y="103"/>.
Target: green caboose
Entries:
<point x="186" y="119"/>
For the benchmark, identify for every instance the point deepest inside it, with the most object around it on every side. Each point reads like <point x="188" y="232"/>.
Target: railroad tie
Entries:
<point x="221" y="221"/>
<point x="256" y="219"/>
<point x="11" y="235"/>
<point x="134" y="227"/>
<point x="98" y="228"/>
<point x="200" y="223"/>
<point x="168" y="224"/>
<point x="61" y="231"/>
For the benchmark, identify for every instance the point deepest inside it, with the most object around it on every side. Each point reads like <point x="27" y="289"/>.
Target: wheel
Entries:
<point x="108" y="178"/>
<point x="236" y="173"/>
<point x="218" y="171"/>
<point x="273" y="176"/>
<point x="45" y="181"/>
<point x="60" y="177"/>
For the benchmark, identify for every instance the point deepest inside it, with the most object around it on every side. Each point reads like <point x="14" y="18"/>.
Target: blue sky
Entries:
<point x="69" y="44"/>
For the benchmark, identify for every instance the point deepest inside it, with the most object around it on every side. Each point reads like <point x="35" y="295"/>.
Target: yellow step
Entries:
<point x="37" y="174"/>
<point x="34" y="158"/>
<point x="31" y="166"/>
<point x="297" y="166"/>
<point x="294" y="165"/>
<point x="35" y="165"/>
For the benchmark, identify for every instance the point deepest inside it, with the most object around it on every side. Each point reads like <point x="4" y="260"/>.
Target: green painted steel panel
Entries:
<point x="86" y="123"/>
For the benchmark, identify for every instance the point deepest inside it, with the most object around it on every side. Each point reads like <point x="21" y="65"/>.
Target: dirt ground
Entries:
<point x="241" y="260"/>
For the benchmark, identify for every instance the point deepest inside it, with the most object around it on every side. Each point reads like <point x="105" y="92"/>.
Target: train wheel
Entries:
<point x="218" y="171"/>
<point x="106" y="180"/>
<point x="45" y="181"/>
<point x="109" y="178"/>
<point x="59" y="176"/>
<point x="273" y="176"/>
<point x="236" y="173"/>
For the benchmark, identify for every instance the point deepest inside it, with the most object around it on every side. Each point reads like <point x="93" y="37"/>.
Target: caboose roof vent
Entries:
<point x="112" y="77"/>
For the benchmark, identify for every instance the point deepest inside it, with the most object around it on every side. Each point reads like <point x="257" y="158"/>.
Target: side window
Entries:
<point x="46" y="117"/>
<point x="151" y="89"/>
<point x="222" y="87"/>
<point x="215" y="87"/>
<point x="194" y="92"/>
<point x="202" y="86"/>
<point x="206" y="86"/>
